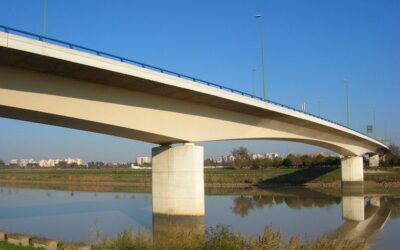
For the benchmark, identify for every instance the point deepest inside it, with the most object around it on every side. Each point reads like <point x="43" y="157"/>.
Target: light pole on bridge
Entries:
<point x="44" y="17"/>
<point x="346" y="83"/>
<point x="259" y="16"/>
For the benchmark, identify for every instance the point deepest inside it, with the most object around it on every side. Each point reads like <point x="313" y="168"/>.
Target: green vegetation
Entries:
<point x="4" y="245"/>
<point x="222" y="237"/>
<point x="219" y="237"/>
<point x="393" y="157"/>
<point x="242" y="158"/>
<point x="264" y="177"/>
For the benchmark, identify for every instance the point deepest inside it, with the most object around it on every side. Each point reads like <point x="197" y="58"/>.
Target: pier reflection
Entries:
<point x="348" y="213"/>
<point x="364" y="215"/>
<point x="172" y="227"/>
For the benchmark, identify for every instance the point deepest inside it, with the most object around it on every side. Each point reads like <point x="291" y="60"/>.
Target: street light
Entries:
<point x="44" y="17"/>
<point x="253" y="81"/>
<point x="259" y="16"/>
<point x="346" y="83"/>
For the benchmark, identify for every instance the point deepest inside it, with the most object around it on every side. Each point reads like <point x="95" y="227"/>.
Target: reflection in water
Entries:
<point x="242" y="205"/>
<point x="167" y="227"/>
<point x="72" y="215"/>
<point x="376" y="213"/>
<point x="364" y="215"/>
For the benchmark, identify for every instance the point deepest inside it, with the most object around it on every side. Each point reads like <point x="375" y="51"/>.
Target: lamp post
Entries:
<point x="259" y="16"/>
<point x="44" y="17"/>
<point x="253" y="81"/>
<point x="346" y="83"/>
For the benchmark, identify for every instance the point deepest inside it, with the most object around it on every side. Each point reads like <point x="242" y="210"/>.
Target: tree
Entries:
<point x="242" y="157"/>
<point x="267" y="162"/>
<point x="333" y="161"/>
<point x="257" y="163"/>
<point x="307" y="160"/>
<point x="2" y="164"/>
<point x="292" y="160"/>
<point x="393" y="157"/>
<point x="209" y="162"/>
<point x="319" y="160"/>
<point x="278" y="161"/>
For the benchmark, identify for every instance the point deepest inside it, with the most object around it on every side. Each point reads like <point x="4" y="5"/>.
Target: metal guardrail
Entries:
<point x="161" y="70"/>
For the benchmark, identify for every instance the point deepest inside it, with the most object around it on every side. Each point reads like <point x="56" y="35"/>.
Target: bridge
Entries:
<point x="48" y="81"/>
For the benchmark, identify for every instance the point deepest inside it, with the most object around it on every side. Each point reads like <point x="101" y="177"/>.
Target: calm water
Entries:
<point x="76" y="215"/>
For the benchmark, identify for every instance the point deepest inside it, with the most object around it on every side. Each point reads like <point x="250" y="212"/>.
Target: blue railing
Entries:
<point x="147" y="66"/>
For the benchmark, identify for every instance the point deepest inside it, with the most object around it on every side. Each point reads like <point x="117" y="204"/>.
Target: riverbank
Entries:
<point x="219" y="237"/>
<point x="316" y="177"/>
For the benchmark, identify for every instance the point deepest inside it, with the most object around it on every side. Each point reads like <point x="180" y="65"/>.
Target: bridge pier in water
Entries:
<point x="352" y="169"/>
<point x="178" y="180"/>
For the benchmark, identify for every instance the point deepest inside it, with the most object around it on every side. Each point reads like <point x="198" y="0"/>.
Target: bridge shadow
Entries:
<point x="299" y="177"/>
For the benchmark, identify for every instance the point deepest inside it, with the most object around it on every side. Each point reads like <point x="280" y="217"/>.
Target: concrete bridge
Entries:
<point x="52" y="82"/>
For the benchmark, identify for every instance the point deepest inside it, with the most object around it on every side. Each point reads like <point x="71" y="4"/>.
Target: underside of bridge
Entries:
<point x="48" y="84"/>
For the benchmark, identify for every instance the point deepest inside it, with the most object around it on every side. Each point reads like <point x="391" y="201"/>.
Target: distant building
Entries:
<point x="257" y="156"/>
<point x="320" y="153"/>
<point x="14" y="162"/>
<point x="228" y="158"/>
<point x="23" y="163"/>
<point x="217" y="160"/>
<point x="270" y="156"/>
<point x="47" y="163"/>
<point x="143" y="160"/>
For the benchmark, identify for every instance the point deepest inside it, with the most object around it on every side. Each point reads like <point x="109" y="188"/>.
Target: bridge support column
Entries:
<point x="374" y="160"/>
<point x="352" y="169"/>
<point x="178" y="180"/>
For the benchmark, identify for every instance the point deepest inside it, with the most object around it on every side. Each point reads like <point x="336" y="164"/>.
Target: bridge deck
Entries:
<point x="60" y="58"/>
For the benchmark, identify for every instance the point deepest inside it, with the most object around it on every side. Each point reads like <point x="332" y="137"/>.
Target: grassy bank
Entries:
<point x="314" y="176"/>
<point x="219" y="237"/>
<point x="4" y="245"/>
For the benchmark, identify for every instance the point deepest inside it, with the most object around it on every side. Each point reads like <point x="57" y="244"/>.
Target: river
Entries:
<point x="78" y="216"/>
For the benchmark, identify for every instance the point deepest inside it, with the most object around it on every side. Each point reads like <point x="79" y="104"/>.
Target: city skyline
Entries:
<point x="364" y="50"/>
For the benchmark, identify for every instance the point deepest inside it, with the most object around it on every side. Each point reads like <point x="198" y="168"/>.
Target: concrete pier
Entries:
<point x="374" y="160"/>
<point x="178" y="180"/>
<point x="352" y="169"/>
<point x="18" y="239"/>
<point x="45" y="243"/>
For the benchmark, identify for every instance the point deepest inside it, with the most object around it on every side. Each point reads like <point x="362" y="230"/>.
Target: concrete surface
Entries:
<point x="45" y="243"/>
<point x="352" y="169"/>
<point x="353" y="208"/>
<point x="18" y="239"/>
<point x="374" y="161"/>
<point x="178" y="180"/>
<point x="50" y="84"/>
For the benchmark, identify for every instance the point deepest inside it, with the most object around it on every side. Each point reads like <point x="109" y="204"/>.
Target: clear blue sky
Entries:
<point x="310" y="47"/>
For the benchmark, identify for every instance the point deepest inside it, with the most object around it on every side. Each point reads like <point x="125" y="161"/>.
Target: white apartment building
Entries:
<point x="143" y="160"/>
<point x="271" y="155"/>
<point x="23" y="162"/>
<point x="45" y="163"/>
